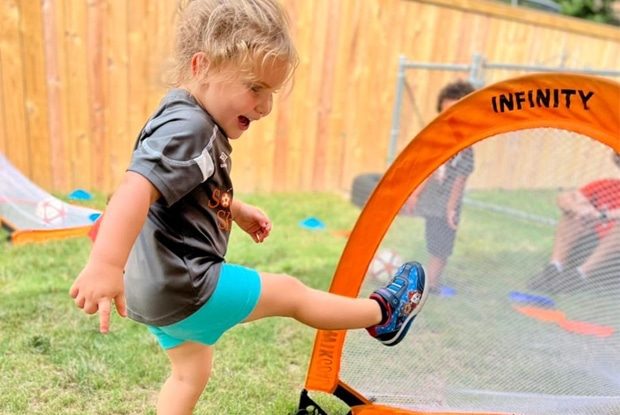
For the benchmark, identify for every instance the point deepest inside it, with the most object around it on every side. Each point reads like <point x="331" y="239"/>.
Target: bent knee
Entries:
<point x="282" y="294"/>
<point x="290" y="286"/>
<point x="191" y="364"/>
<point x="196" y="378"/>
<point x="291" y="283"/>
<point x="281" y="280"/>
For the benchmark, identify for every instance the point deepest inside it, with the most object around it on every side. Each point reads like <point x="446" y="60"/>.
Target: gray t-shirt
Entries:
<point x="174" y="265"/>
<point x="433" y="198"/>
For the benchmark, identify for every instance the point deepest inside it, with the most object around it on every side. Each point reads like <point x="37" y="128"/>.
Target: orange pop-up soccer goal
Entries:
<point x="489" y="349"/>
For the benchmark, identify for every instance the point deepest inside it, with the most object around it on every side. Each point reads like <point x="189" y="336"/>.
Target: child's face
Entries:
<point x="235" y="102"/>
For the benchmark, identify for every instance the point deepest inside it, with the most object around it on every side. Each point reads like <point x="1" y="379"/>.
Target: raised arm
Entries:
<point x="101" y="280"/>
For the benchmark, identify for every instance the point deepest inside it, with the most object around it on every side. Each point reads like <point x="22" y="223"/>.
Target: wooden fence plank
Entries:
<point x="79" y="128"/>
<point x="53" y="22"/>
<point x="280" y="150"/>
<point x="3" y="130"/>
<point x="327" y="169"/>
<point x="35" y="92"/>
<point x="17" y="138"/>
<point x="119" y="137"/>
<point x="324" y="84"/>
<point x="356" y="94"/>
<point x="339" y="105"/>
<point x="299" y="137"/>
<point x="137" y="68"/>
<point x="161" y="39"/>
<point x="97" y="88"/>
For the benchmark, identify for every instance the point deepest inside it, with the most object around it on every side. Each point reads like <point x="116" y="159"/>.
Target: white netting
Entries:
<point x="24" y="205"/>
<point x="498" y="334"/>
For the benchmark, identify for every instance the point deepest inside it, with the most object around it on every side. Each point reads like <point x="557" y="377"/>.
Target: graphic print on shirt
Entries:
<point x="220" y="200"/>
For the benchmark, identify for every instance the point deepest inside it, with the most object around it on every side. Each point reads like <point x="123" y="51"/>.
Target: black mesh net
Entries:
<point x="524" y="311"/>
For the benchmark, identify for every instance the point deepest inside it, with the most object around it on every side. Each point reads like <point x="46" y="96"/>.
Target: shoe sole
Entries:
<point x="400" y="334"/>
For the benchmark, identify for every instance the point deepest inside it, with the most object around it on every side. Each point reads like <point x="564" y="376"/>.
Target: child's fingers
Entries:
<point x="79" y="301"/>
<point x="104" y="315"/>
<point x="89" y="307"/>
<point x="264" y="230"/>
<point x="119" y="302"/>
<point x="73" y="291"/>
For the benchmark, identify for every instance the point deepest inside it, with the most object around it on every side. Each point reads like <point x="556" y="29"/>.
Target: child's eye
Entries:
<point x="255" y="88"/>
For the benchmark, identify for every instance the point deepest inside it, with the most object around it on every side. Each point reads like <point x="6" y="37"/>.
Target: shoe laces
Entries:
<point x="396" y="285"/>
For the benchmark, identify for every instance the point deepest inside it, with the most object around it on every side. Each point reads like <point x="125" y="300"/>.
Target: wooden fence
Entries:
<point x="79" y="77"/>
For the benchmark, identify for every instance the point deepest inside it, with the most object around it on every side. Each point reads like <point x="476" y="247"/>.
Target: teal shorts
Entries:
<point x="234" y="298"/>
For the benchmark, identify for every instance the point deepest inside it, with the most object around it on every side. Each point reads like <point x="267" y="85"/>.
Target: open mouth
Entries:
<point x="244" y="122"/>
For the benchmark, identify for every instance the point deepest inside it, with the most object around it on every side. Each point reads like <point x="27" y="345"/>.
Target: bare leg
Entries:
<point x="569" y="230"/>
<point x="434" y="268"/>
<point x="285" y="296"/>
<point x="191" y="368"/>
<point x="608" y="246"/>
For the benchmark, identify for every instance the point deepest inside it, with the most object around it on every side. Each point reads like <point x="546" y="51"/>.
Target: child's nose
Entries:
<point x="264" y="106"/>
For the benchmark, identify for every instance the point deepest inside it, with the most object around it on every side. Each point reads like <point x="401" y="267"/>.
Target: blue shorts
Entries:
<point x="235" y="297"/>
<point x="439" y="237"/>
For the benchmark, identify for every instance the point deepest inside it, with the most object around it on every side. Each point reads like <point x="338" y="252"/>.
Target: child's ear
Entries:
<point x="199" y="64"/>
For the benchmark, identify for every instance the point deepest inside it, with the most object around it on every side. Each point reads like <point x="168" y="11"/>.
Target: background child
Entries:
<point x="587" y="237"/>
<point x="166" y="228"/>
<point x="439" y="199"/>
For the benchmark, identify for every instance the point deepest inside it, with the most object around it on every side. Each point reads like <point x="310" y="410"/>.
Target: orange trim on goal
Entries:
<point x="382" y="410"/>
<point x="30" y="236"/>
<point x="583" y="104"/>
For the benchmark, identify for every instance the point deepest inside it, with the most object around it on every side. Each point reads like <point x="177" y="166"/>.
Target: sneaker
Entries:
<point x="545" y="281"/>
<point x="400" y="300"/>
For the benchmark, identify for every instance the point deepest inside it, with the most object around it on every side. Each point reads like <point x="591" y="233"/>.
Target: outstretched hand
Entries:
<point x="94" y="290"/>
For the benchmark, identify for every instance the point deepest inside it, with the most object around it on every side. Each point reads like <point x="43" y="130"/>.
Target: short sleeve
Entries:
<point x="173" y="153"/>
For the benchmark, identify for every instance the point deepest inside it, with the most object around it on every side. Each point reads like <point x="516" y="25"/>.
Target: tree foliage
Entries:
<point x="597" y="10"/>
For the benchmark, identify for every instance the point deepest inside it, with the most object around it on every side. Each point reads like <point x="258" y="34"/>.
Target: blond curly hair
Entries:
<point x="247" y="35"/>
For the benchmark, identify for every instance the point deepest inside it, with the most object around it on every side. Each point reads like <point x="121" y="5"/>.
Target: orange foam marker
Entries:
<point x="587" y="329"/>
<point x="542" y="314"/>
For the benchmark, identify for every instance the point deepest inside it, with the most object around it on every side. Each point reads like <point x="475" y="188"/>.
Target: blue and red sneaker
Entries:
<point x="400" y="300"/>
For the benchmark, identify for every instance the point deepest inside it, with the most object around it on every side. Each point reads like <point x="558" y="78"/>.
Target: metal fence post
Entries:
<point x="475" y="71"/>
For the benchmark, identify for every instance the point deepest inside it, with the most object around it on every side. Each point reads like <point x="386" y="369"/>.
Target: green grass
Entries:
<point x="53" y="360"/>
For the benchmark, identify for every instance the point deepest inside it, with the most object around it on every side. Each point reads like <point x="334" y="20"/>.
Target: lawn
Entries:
<point x="53" y="360"/>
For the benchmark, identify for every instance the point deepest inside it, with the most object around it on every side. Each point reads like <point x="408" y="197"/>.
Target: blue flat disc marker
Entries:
<point x="94" y="216"/>
<point x="312" y="223"/>
<point x="446" y="291"/>
<point x="80" y="194"/>
<point x="526" y="298"/>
